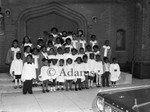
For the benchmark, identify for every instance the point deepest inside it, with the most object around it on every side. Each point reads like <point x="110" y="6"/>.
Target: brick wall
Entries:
<point x="110" y="17"/>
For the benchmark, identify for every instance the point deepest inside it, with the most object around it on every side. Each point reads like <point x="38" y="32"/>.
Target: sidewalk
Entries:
<point x="12" y="100"/>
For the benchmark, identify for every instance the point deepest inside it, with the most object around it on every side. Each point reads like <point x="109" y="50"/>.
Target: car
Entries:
<point x="127" y="99"/>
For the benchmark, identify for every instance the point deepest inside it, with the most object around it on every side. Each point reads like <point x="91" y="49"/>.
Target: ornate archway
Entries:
<point x="45" y="9"/>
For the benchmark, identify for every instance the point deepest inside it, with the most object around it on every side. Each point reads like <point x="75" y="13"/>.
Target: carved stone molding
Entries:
<point x="46" y="9"/>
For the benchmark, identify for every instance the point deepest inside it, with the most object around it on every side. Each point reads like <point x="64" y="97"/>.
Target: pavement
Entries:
<point x="12" y="100"/>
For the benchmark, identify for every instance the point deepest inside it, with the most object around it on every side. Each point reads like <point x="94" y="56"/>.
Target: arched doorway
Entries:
<point x="33" y="21"/>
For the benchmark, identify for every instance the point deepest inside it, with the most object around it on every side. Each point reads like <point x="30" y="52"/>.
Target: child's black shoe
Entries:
<point x="47" y="90"/>
<point x="43" y="91"/>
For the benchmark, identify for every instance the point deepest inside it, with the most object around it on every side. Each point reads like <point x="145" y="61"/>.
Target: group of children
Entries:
<point x="64" y="61"/>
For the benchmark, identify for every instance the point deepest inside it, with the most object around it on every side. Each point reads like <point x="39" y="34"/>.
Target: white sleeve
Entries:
<point x="23" y="72"/>
<point x="34" y="71"/>
<point x="11" y="68"/>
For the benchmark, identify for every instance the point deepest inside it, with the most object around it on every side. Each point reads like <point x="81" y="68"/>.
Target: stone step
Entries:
<point x="7" y="86"/>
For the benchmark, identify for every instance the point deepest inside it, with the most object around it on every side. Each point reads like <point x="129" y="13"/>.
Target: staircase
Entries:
<point x="7" y="84"/>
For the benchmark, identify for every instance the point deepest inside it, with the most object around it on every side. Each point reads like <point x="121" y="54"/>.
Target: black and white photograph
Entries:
<point x="74" y="55"/>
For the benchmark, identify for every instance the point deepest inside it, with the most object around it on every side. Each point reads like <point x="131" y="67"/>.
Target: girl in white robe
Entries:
<point x="16" y="70"/>
<point x="91" y="67"/>
<point x="26" y="42"/>
<point x="44" y="75"/>
<point x="35" y="55"/>
<point x="69" y="77"/>
<point x="106" y="50"/>
<point x="86" y="70"/>
<point x="61" y="75"/>
<point x="79" y="73"/>
<point x="11" y="54"/>
<point x="53" y="74"/>
<point x="42" y="54"/>
<point x="98" y="70"/>
<point x="27" y="51"/>
<point x="114" y="72"/>
<point x="93" y="41"/>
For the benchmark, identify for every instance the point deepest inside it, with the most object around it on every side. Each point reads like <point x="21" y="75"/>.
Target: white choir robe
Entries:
<point x="91" y="67"/>
<point x="79" y="71"/>
<point x="61" y="74"/>
<point x="96" y="53"/>
<point x="52" y="57"/>
<point x="98" y="69"/>
<point x="88" y="54"/>
<point x="44" y="73"/>
<point x="36" y="61"/>
<point x="106" y="50"/>
<point x="54" y="71"/>
<point x="74" y="43"/>
<point x="69" y="36"/>
<point x="28" y="44"/>
<point x="70" y="47"/>
<point x="28" y="72"/>
<point x="11" y="54"/>
<point x="93" y="43"/>
<point x="114" y="72"/>
<point x="82" y="42"/>
<point x="59" y="56"/>
<point x="16" y="67"/>
<point x="58" y="45"/>
<point x="54" y="35"/>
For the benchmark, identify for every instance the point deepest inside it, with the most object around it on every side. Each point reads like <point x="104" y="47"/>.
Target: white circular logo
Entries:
<point x="51" y="72"/>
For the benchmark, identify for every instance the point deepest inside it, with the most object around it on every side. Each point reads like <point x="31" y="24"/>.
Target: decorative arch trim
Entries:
<point x="45" y="9"/>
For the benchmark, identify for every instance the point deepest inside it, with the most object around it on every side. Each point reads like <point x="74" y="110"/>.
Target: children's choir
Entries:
<point x="65" y="61"/>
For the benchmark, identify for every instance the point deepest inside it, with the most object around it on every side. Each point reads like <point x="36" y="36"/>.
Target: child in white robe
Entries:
<point x="51" y="55"/>
<point x="54" y="32"/>
<point x="35" y="54"/>
<point x="58" y="43"/>
<point x="74" y="55"/>
<point x="88" y="50"/>
<point x="81" y="52"/>
<point x="96" y="50"/>
<point x="79" y="73"/>
<point x="64" y="35"/>
<point x="53" y="74"/>
<point x="49" y="46"/>
<point x="40" y="43"/>
<point x="28" y="74"/>
<point x="68" y="43"/>
<point x="98" y="70"/>
<point x="91" y="67"/>
<point x="42" y="54"/>
<point x="67" y="54"/>
<point x="27" y="51"/>
<point x="114" y="72"/>
<point x="26" y="42"/>
<point x="86" y="70"/>
<point x="106" y="50"/>
<point x="11" y="54"/>
<point x="82" y="41"/>
<point x="61" y="75"/>
<point x="69" y="77"/>
<point x="44" y="75"/>
<point x="16" y="70"/>
<point x="60" y="53"/>
<point x="93" y="41"/>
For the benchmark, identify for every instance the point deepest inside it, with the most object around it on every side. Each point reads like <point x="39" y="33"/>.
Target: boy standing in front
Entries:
<point x="28" y="74"/>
